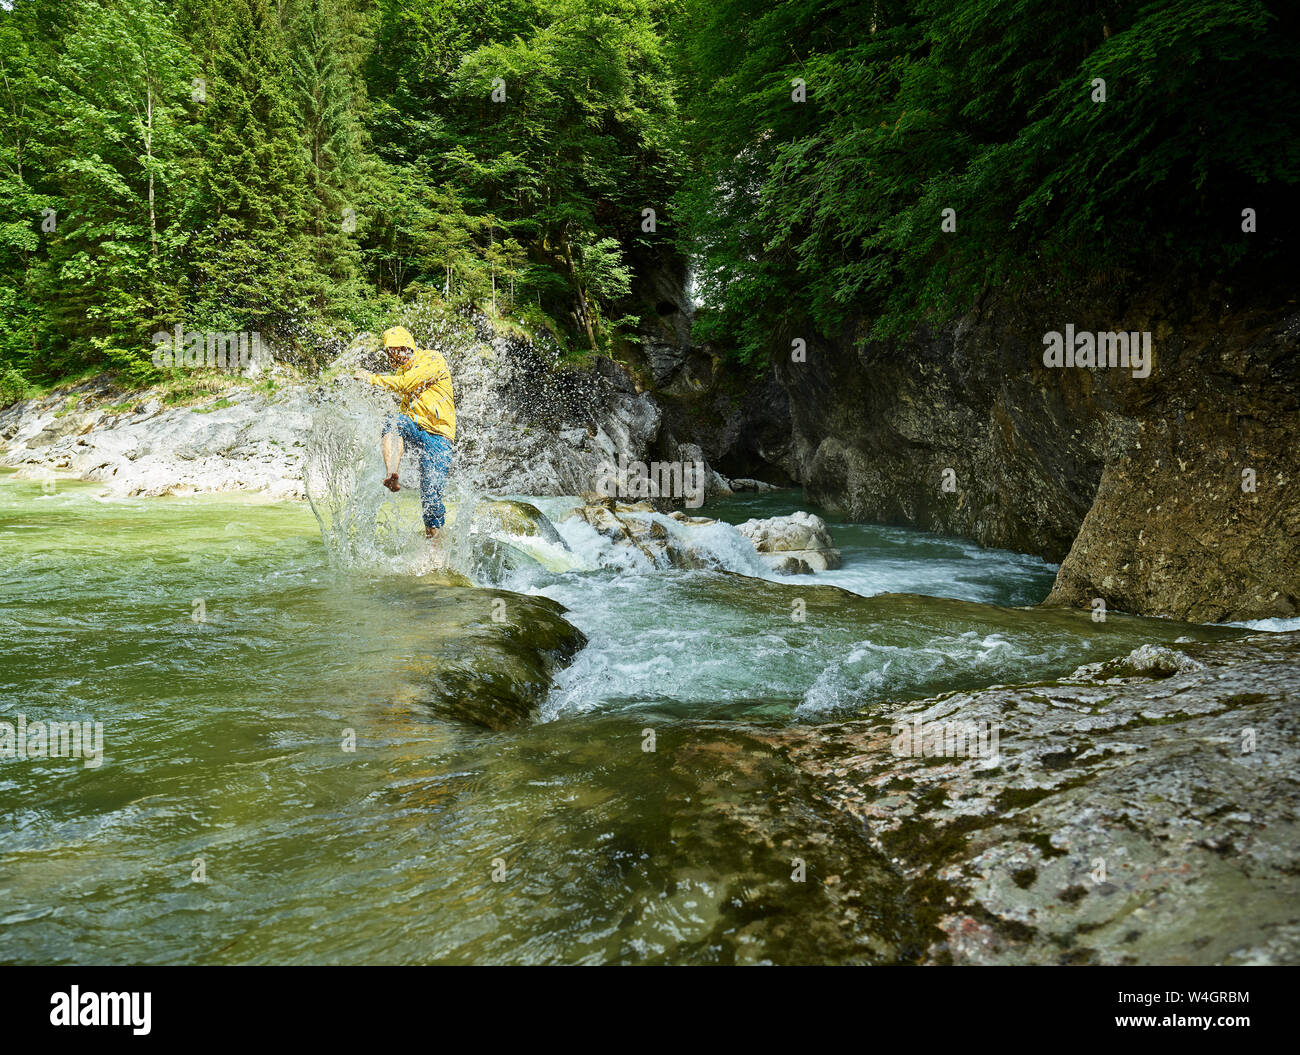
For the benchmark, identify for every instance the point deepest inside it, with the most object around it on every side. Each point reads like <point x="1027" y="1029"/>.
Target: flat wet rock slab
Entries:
<point x="1132" y="815"/>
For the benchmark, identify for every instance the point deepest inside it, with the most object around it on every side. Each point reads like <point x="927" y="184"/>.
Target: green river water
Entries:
<point x="228" y="824"/>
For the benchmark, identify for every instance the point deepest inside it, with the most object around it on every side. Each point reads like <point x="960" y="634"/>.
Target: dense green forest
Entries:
<point x="298" y="167"/>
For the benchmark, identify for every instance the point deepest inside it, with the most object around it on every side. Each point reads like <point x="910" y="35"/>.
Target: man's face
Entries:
<point x="398" y="356"/>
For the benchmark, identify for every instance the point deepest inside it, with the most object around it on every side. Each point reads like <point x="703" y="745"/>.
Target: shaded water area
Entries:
<point x="228" y="658"/>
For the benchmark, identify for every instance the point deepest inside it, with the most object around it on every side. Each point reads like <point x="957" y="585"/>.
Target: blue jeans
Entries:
<point x="434" y="455"/>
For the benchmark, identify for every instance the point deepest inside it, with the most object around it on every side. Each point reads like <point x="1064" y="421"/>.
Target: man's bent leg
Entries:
<point x="393" y="447"/>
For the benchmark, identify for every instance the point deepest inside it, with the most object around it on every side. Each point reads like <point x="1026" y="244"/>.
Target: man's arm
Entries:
<point x="392" y="382"/>
<point x="423" y="373"/>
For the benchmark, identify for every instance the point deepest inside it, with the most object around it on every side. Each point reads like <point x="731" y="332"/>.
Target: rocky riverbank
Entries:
<point x="527" y="425"/>
<point x="1170" y="494"/>
<point x="1141" y="811"/>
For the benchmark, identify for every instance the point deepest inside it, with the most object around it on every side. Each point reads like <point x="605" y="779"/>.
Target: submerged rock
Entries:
<point x="788" y="564"/>
<point x="446" y="577"/>
<point x="492" y="559"/>
<point x="489" y="655"/>
<point x="1117" y="820"/>
<point x="510" y="517"/>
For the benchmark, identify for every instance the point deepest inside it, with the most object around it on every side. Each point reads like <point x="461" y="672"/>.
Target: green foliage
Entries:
<point x="832" y="209"/>
<point x="556" y="129"/>
<point x="285" y="166"/>
<point x="303" y="168"/>
<point x="13" y="386"/>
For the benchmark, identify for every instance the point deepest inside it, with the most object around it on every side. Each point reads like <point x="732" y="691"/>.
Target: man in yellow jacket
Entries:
<point x="427" y="420"/>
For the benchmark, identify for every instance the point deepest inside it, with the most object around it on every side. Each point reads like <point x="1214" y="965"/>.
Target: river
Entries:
<point x="639" y="819"/>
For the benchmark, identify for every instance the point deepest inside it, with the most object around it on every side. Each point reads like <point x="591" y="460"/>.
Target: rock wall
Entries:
<point x="528" y="427"/>
<point x="1135" y="484"/>
<point x="735" y="418"/>
<point x="1199" y="517"/>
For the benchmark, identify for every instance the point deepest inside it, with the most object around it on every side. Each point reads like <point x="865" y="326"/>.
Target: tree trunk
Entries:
<point x="583" y="311"/>
<point x="148" y="151"/>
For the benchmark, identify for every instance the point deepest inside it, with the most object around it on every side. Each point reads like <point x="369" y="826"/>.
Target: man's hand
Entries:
<point x="361" y="375"/>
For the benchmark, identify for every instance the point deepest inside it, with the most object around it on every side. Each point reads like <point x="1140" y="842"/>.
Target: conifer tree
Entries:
<point x="254" y="263"/>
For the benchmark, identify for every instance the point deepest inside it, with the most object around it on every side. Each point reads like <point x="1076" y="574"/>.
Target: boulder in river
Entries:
<point x="788" y="541"/>
<point x="745" y="483"/>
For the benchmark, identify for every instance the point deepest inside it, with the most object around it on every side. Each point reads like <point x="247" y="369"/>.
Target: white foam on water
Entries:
<point x="656" y="636"/>
<point x="722" y="547"/>
<point x="717" y="546"/>
<point x="871" y="670"/>
<point x="593" y="550"/>
<point x="952" y="568"/>
<point x="662" y="640"/>
<point x="1273" y="626"/>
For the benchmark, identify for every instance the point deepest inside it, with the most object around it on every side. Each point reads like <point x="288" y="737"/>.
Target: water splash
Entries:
<point x="524" y="426"/>
<point x="362" y="523"/>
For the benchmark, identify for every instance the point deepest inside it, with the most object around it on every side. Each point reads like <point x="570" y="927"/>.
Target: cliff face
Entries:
<point x="1169" y="494"/>
<point x="1199" y="516"/>
<point x="740" y="419"/>
<point x="1172" y="494"/>
<point x="957" y="432"/>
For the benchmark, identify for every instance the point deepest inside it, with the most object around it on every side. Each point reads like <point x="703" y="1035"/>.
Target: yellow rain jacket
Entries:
<point x="424" y="386"/>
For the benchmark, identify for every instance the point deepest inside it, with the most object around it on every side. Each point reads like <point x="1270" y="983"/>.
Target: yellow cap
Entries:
<point x="399" y="337"/>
